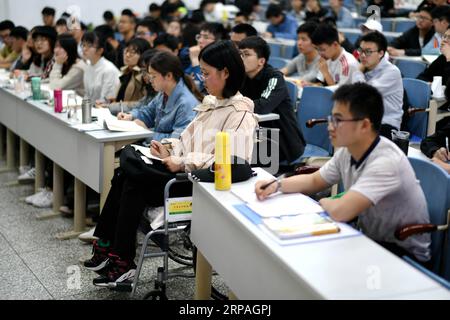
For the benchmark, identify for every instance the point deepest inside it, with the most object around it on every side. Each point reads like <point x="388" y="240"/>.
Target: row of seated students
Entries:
<point x="227" y="76"/>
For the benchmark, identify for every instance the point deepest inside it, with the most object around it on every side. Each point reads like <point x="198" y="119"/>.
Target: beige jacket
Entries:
<point x="196" y="145"/>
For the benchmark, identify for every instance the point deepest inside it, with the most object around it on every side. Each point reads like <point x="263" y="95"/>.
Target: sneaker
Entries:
<point x="66" y="211"/>
<point x="99" y="259"/>
<point x="88" y="236"/>
<point x="31" y="198"/>
<point x="23" y="169"/>
<point x="119" y="271"/>
<point x="27" y="177"/>
<point x="44" y="200"/>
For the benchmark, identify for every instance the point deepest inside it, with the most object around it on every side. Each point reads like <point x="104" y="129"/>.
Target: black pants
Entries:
<point x="126" y="201"/>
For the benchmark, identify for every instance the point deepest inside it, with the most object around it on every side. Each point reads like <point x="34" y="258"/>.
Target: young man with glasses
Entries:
<point x="267" y="88"/>
<point x="412" y="41"/>
<point x="441" y="66"/>
<point x="385" y="77"/>
<point x="441" y="21"/>
<point x="380" y="184"/>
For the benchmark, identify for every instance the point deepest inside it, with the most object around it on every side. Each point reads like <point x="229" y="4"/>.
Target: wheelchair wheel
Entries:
<point x="155" y="295"/>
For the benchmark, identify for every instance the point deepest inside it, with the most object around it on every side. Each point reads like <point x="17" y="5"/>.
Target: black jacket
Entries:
<point x="269" y="92"/>
<point x="430" y="144"/>
<point x="439" y="67"/>
<point x="409" y="41"/>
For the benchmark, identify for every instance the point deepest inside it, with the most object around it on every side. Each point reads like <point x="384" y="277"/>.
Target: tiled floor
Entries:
<point x="36" y="265"/>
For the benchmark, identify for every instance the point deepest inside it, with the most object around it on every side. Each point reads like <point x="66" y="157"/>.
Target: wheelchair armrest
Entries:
<point x="312" y="122"/>
<point x="183" y="176"/>
<point x="412" y="229"/>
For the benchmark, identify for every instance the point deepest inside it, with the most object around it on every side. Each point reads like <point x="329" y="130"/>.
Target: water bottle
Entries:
<point x="86" y="110"/>
<point x="57" y="100"/>
<point x="222" y="169"/>
<point x="36" y="88"/>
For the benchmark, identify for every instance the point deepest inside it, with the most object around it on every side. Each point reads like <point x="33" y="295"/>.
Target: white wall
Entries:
<point x="28" y="12"/>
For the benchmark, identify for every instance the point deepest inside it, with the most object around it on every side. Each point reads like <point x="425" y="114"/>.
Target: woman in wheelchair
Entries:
<point x="137" y="185"/>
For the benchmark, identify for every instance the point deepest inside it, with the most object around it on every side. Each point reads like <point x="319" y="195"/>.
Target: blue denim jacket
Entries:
<point x="168" y="121"/>
<point x="286" y="30"/>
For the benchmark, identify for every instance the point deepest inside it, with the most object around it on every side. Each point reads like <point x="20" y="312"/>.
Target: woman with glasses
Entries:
<point x="68" y="71"/>
<point x="44" y="42"/>
<point x="224" y="109"/>
<point x="171" y="110"/>
<point x="412" y="41"/>
<point x="132" y="87"/>
<point x="101" y="77"/>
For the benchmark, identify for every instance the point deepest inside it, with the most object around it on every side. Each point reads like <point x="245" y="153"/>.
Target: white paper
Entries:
<point x="145" y="151"/>
<point x="84" y="127"/>
<point x="278" y="204"/>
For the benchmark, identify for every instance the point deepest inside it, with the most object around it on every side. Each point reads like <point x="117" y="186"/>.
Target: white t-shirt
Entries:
<point x="343" y="70"/>
<point x="387" y="179"/>
<point x="101" y="80"/>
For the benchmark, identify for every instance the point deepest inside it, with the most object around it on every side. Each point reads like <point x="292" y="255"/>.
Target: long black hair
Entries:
<point x="69" y="44"/>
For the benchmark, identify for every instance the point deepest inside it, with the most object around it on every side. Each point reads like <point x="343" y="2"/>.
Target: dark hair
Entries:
<point x="108" y="15"/>
<point x="246" y="28"/>
<point x="165" y="62"/>
<point x="151" y="24"/>
<point x="273" y="10"/>
<point x="69" y="44"/>
<point x="206" y="2"/>
<point x="325" y="34"/>
<point x="441" y="13"/>
<point x="6" y="24"/>
<point x="223" y="54"/>
<point x="61" y="22"/>
<point x="130" y="14"/>
<point x="105" y="31"/>
<point x="243" y="14"/>
<point x="96" y="39"/>
<point x="167" y="40"/>
<point x="47" y="11"/>
<point x="216" y="29"/>
<point x="139" y="45"/>
<point x="376" y="37"/>
<point x="154" y="7"/>
<point x="364" y="101"/>
<point x="426" y="9"/>
<point x="308" y="28"/>
<point x="146" y="56"/>
<point x="258" y="44"/>
<point x="19" y="32"/>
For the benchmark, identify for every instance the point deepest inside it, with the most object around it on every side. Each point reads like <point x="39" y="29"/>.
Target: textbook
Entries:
<point x="302" y="225"/>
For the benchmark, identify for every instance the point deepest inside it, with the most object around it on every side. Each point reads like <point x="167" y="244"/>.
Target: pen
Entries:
<point x="166" y="142"/>
<point x="339" y="195"/>
<point x="121" y="106"/>
<point x="268" y="184"/>
<point x="446" y="144"/>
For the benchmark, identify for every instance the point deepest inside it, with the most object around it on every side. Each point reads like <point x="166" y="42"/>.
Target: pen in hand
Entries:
<point x="264" y="187"/>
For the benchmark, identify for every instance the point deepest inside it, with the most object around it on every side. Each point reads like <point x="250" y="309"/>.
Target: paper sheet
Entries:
<point x="145" y="151"/>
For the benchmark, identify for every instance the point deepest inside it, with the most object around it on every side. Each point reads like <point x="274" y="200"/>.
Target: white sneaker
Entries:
<point x="23" y="169"/>
<point x="31" y="198"/>
<point x="44" y="200"/>
<point x="27" y="177"/>
<point x="65" y="210"/>
<point x="88" y="236"/>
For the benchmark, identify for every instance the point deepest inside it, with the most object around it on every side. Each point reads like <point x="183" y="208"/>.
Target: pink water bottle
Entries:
<point x="57" y="98"/>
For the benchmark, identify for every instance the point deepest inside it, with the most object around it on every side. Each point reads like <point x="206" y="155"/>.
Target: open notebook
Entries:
<point x="111" y="123"/>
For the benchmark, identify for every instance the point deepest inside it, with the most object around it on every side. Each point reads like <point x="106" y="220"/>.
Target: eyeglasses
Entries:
<point x="334" y="122"/>
<point x="203" y="76"/>
<point x="149" y="75"/>
<point x="423" y="18"/>
<point x="86" y="45"/>
<point x="446" y="37"/>
<point x="130" y="52"/>
<point x="366" y="52"/>
<point x="204" y="36"/>
<point x="143" y="34"/>
<point x="40" y="40"/>
<point x="245" y="55"/>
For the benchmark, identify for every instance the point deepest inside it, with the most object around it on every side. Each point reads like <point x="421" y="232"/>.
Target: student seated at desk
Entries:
<point x="225" y="109"/>
<point x="44" y="43"/>
<point x="336" y="66"/>
<point x="380" y="184"/>
<point x="68" y="70"/>
<point x="436" y="145"/>
<point x="306" y="63"/>
<point x="171" y="110"/>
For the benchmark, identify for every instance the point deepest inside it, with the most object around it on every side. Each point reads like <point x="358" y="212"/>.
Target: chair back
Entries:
<point x="277" y="62"/>
<point x="435" y="185"/>
<point x="419" y="94"/>
<point x="293" y="93"/>
<point x="403" y="25"/>
<point x="410" y="69"/>
<point x="315" y="103"/>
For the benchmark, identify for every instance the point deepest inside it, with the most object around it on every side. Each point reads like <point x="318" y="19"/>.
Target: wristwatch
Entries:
<point x="278" y="185"/>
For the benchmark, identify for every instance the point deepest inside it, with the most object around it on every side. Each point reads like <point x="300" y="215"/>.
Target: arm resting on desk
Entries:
<point x="347" y="207"/>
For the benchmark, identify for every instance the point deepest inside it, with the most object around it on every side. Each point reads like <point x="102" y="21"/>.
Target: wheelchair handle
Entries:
<point x="413" y="110"/>
<point x="312" y="122"/>
<point x="412" y="229"/>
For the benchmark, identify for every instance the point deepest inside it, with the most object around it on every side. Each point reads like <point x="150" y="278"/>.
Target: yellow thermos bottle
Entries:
<point x="222" y="170"/>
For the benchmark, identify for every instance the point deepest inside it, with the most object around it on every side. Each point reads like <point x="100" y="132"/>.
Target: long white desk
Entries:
<point x="256" y="267"/>
<point x="89" y="156"/>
